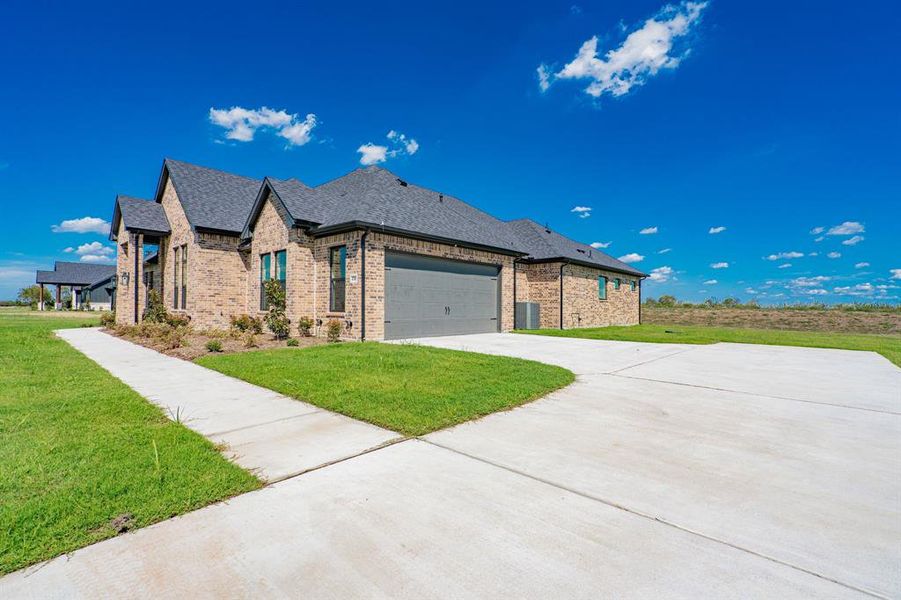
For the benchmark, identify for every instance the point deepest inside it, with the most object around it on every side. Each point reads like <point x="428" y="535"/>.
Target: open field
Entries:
<point x="887" y="345"/>
<point x="79" y="449"/>
<point x="410" y="389"/>
<point x="834" y="320"/>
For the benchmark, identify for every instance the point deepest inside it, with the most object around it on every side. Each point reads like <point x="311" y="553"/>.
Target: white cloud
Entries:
<point x="809" y="281"/>
<point x="97" y="258"/>
<point x="714" y="230"/>
<point x="813" y="254"/>
<point x="661" y="274"/>
<point x="93" y="248"/>
<point x="853" y="241"/>
<point x="896" y="273"/>
<point x="781" y="255"/>
<point x="69" y="249"/>
<point x="372" y="154"/>
<point x="784" y="266"/>
<point x="815" y="292"/>
<point x="861" y="265"/>
<point x="583" y="211"/>
<point x="711" y="282"/>
<point x="642" y="54"/>
<point x="544" y="77"/>
<point x="820" y="239"/>
<point x="719" y="265"/>
<point x="82" y="225"/>
<point x="648" y="230"/>
<point x="242" y="123"/>
<point x="632" y="257"/>
<point x="846" y="228"/>
<point x="599" y="245"/>
<point x="665" y="251"/>
<point x="834" y="255"/>
<point x="817" y="230"/>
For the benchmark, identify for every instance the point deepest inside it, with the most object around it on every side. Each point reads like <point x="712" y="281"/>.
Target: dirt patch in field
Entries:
<point x="834" y="320"/>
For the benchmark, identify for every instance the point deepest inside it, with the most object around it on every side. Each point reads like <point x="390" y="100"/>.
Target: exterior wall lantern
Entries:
<point x="124" y="278"/>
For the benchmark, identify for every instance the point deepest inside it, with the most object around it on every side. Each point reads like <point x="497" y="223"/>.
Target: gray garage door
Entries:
<point x="427" y="296"/>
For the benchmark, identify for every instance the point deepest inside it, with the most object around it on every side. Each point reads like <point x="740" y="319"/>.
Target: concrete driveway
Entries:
<point x="664" y="471"/>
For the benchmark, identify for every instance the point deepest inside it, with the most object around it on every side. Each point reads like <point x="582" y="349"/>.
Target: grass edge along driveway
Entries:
<point x="410" y="389"/>
<point x="79" y="448"/>
<point x="888" y="346"/>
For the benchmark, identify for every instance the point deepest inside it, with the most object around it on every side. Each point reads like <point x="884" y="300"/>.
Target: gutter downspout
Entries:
<point x="639" y="300"/>
<point x="561" y="292"/>
<point x="514" y="293"/>
<point x="363" y="285"/>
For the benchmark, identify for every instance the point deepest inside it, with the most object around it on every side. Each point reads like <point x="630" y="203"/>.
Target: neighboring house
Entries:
<point x="100" y="295"/>
<point x="386" y="258"/>
<point x="76" y="276"/>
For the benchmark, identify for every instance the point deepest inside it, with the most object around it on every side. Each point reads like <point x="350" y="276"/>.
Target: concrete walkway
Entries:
<point x="263" y="431"/>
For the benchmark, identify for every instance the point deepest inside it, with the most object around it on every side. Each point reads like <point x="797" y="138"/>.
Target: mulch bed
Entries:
<point x="194" y="345"/>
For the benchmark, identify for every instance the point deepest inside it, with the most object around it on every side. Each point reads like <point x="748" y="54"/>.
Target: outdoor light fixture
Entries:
<point x="124" y="278"/>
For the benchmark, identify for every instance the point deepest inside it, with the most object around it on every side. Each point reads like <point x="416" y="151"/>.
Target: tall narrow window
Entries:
<point x="632" y="285"/>
<point x="184" y="276"/>
<point x="337" y="271"/>
<point x="602" y="287"/>
<point x="616" y="283"/>
<point x="281" y="268"/>
<point x="265" y="275"/>
<point x="175" y="278"/>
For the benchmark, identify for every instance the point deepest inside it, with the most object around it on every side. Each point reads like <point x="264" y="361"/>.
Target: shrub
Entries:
<point x="250" y="341"/>
<point x="333" y="330"/>
<point x="174" y="338"/>
<point x="214" y="346"/>
<point x="178" y="320"/>
<point x="667" y="300"/>
<point x="155" y="311"/>
<point x="108" y="319"/>
<point x="305" y="325"/>
<point x="293" y="342"/>
<point x="244" y="323"/>
<point x="276" y="319"/>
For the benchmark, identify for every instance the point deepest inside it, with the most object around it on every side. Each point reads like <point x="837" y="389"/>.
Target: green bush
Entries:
<point x="155" y="311"/>
<point x="214" y="346"/>
<point x="305" y="326"/>
<point x="178" y="321"/>
<point x="333" y="330"/>
<point x="276" y="319"/>
<point x="243" y="323"/>
<point x="293" y="342"/>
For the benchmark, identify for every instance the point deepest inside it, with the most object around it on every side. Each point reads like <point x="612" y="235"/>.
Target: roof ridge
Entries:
<point x="168" y="161"/>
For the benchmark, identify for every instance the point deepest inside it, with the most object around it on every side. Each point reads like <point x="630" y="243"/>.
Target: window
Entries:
<point x="602" y="287"/>
<point x="616" y="283"/>
<point x="265" y="275"/>
<point x="184" y="276"/>
<point x="175" y="278"/>
<point x="632" y="285"/>
<point x="281" y="268"/>
<point x="337" y="271"/>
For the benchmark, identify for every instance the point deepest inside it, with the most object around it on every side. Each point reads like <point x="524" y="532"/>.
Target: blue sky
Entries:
<point x="769" y="119"/>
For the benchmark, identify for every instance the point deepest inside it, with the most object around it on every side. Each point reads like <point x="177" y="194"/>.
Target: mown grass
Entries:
<point x="410" y="389"/>
<point x="79" y="448"/>
<point x="887" y="345"/>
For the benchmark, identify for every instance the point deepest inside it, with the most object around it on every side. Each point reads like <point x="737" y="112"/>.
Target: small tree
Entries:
<point x="667" y="300"/>
<point x="31" y="295"/>
<point x="276" y="319"/>
<point x="155" y="311"/>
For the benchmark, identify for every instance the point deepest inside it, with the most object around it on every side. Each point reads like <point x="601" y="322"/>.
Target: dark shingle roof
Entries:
<point x="75" y="273"/>
<point x="143" y="215"/>
<point x="543" y="244"/>
<point x="212" y="199"/>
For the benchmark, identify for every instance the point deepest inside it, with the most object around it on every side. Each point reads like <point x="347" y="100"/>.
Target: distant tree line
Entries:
<point x="670" y="301"/>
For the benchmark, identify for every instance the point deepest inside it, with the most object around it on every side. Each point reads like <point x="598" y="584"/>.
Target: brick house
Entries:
<point x="386" y="258"/>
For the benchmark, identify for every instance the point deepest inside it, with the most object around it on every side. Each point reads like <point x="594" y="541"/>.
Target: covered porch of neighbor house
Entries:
<point x="74" y="276"/>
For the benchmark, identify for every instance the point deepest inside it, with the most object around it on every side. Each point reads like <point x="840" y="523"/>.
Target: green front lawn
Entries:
<point x="410" y="389"/>
<point x="78" y="448"/>
<point x="887" y="345"/>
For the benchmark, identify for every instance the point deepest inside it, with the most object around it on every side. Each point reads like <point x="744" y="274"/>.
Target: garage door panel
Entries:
<point x="425" y="296"/>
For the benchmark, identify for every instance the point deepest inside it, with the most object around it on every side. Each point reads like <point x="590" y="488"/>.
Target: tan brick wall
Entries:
<point x="581" y="305"/>
<point x="181" y="235"/>
<point x="128" y="245"/>
<point x="271" y="233"/>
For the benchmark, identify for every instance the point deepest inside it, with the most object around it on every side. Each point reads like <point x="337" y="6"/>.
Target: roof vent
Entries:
<point x="580" y="250"/>
<point x="547" y="228"/>
<point x="402" y="182"/>
<point x="440" y="197"/>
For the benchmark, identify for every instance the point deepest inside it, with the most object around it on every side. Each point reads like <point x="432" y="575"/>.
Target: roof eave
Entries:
<point x="583" y="263"/>
<point x="416" y="235"/>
